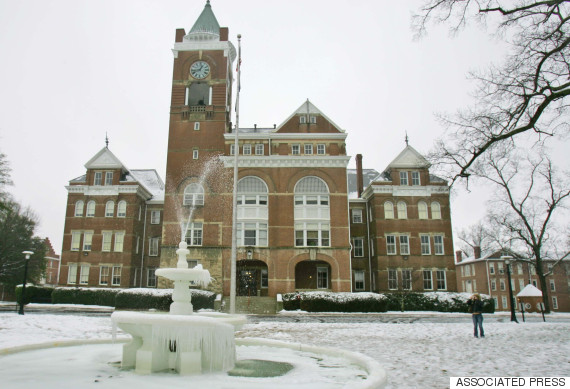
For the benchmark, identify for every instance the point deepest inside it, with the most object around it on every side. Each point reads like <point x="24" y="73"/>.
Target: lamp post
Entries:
<point x="27" y="254"/>
<point x="507" y="260"/>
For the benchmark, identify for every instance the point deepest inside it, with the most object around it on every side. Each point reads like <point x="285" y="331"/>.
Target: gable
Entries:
<point x="105" y="159"/>
<point x="308" y="119"/>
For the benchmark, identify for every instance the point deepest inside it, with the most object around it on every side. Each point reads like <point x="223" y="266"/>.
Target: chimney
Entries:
<point x="180" y="33"/>
<point x="224" y="33"/>
<point x="359" y="177"/>
<point x="458" y="256"/>
<point x="477" y="252"/>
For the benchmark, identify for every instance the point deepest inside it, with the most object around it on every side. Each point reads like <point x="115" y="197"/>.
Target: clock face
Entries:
<point x="199" y="69"/>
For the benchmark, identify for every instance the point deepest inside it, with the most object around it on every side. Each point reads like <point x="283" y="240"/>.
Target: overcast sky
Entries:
<point x="73" y="70"/>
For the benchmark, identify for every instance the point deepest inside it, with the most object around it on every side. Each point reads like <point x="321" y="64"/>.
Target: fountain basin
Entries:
<point x="196" y="274"/>
<point x="189" y="344"/>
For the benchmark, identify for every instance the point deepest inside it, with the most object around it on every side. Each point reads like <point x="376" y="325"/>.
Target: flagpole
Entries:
<point x="234" y="207"/>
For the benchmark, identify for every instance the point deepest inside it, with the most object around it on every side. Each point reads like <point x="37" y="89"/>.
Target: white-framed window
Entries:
<point x="428" y="285"/>
<point x="359" y="280"/>
<point x="493" y="285"/>
<point x="98" y="178"/>
<point x="322" y="277"/>
<point x="195" y="153"/>
<point x="90" y="209"/>
<point x="435" y="210"/>
<point x="104" y="271"/>
<point x="84" y="274"/>
<point x="246" y="149"/>
<point x="501" y="268"/>
<point x="108" y="178"/>
<point x="233" y="149"/>
<point x="313" y="119"/>
<point x="491" y="268"/>
<point x="154" y="217"/>
<point x="193" y="195"/>
<point x="253" y="212"/>
<point x="312" y="213"/>
<point x="295" y="149"/>
<point x="308" y="149"/>
<point x="72" y="274"/>
<point x="79" y="208"/>
<point x="392" y="279"/>
<point x="416" y="178"/>
<point x="192" y="263"/>
<point x="75" y="240"/>
<point x="406" y="279"/>
<point x="122" y="208"/>
<point x="109" y="208"/>
<point x="358" y="247"/>
<point x="403" y="178"/>
<point x="153" y="246"/>
<point x="302" y="119"/>
<point x="502" y="284"/>
<point x="388" y="210"/>
<point x="87" y="240"/>
<point x="496" y="302"/>
<point x="404" y="245"/>
<point x="107" y="237"/>
<point x="441" y="280"/>
<point x="194" y="234"/>
<point x="438" y="244"/>
<point x="119" y="240"/>
<point x="321" y="149"/>
<point x="151" y="277"/>
<point x="252" y="234"/>
<point x="425" y="244"/>
<point x="196" y="126"/>
<point x="554" y="302"/>
<point x="552" y="286"/>
<point x="466" y="270"/>
<point x="422" y="210"/>
<point x="259" y="149"/>
<point x="116" y="276"/>
<point x="391" y="244"/>
<point x="357" y="215"/>
<point x="402" y="210"/>
<point x="505" y="302"/>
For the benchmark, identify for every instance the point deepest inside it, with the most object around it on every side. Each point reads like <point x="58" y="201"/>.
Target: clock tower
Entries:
<point x="200" y="113"/>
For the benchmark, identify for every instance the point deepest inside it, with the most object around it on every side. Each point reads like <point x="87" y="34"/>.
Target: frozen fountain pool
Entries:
<point x="99" y="365"/>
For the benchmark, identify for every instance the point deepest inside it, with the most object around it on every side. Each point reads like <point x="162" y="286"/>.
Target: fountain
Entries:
<point x="188" y="342"/>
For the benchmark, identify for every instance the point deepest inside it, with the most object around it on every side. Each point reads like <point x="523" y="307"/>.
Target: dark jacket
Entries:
<point x="476" y="306"/>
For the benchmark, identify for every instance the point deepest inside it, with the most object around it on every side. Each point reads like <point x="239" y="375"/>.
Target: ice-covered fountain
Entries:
<point x="188" y="342"/>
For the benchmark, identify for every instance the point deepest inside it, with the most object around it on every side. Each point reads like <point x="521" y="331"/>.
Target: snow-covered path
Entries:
<point x="415" y="355"/>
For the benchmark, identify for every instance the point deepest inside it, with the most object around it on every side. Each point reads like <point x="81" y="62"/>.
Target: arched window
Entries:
<point x="109" y="208"/>
<point x="91" y="208"/>
<point x="388" y="210"/>
<point x="79" y="208"/>
<point x="312" y="213"/>
<point x="402" y="210"/>
<point x="422" y="210"/>
<point x="252" y="212"/>
<point x="435" y="210"/>
<point x="194" y="195"/>
<point x="122" y="209"/>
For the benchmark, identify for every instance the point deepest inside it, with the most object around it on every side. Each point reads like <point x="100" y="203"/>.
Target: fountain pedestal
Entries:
<point x="187" y="342"/>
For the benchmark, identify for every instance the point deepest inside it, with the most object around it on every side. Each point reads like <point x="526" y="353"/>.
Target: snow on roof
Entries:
<point x="150" y="180"/>
<point x="368" y="176"/>
<point x="530" y="291"/>
<point x="82" y="178"/>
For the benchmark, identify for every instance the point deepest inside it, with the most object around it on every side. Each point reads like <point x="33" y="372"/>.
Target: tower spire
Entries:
<point x="106" y="140"/>
<point x="406" y="140"/>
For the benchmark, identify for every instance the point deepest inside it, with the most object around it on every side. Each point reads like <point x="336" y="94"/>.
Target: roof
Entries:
<point x="368" y="176"/>
<point x="308" y="108"/>
<point x="150" y="180"/>
<point x="530" y="291"/>
<point x="206" y="22"/>
<point x="409" y="158"/>
<point x="105" y="159"/>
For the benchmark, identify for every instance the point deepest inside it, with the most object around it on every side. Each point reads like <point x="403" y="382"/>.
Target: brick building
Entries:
<point x="487" y="274"/>
<point x="304" y="221"/>
<point x="51" y="276"/>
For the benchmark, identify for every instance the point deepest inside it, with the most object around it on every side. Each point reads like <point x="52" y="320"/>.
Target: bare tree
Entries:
<point x="531" y="196"/>
<point x="4" y="180"/>
<point x="526" y="94"/>
<point x="476" y="235"/>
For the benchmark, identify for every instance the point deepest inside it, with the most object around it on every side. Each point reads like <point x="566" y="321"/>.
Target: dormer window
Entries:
<point x="108" y="178"/>
<point x="302" y="119"/>
<point x="313" y="119"/>
<point x="415" y="178"/>
<point x="97" y="180"/>
<point x="403" y="178"/>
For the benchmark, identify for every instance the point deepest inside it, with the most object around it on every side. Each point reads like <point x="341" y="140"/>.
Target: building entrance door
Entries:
<point x="247" y="283"/>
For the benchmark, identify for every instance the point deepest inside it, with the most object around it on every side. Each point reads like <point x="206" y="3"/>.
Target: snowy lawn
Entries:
<point x="415" y="355"/>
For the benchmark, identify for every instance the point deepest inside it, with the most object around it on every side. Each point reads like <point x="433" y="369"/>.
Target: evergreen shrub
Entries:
<point x="86" y="296"/>
<point x="335" y="302"/>
<point x="435" y="301"/>
<point x="34" y="294"/>
<point x="160" y="299"/>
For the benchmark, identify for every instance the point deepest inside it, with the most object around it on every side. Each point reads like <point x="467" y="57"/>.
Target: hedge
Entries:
<point x="435" y="301"/>
<point x="160" y="299"/>
<point x="85" y="296"/>
<point x="335" y="302"/>
<point x="34" y="294"/>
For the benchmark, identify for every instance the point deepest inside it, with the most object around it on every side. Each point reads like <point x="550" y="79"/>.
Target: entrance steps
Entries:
<point x="253" y="305"/>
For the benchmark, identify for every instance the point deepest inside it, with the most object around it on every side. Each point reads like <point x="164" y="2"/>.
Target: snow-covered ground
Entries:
<point x="421" y="354"/>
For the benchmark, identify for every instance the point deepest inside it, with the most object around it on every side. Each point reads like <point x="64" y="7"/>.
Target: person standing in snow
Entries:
<point x="476" y="308"/>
